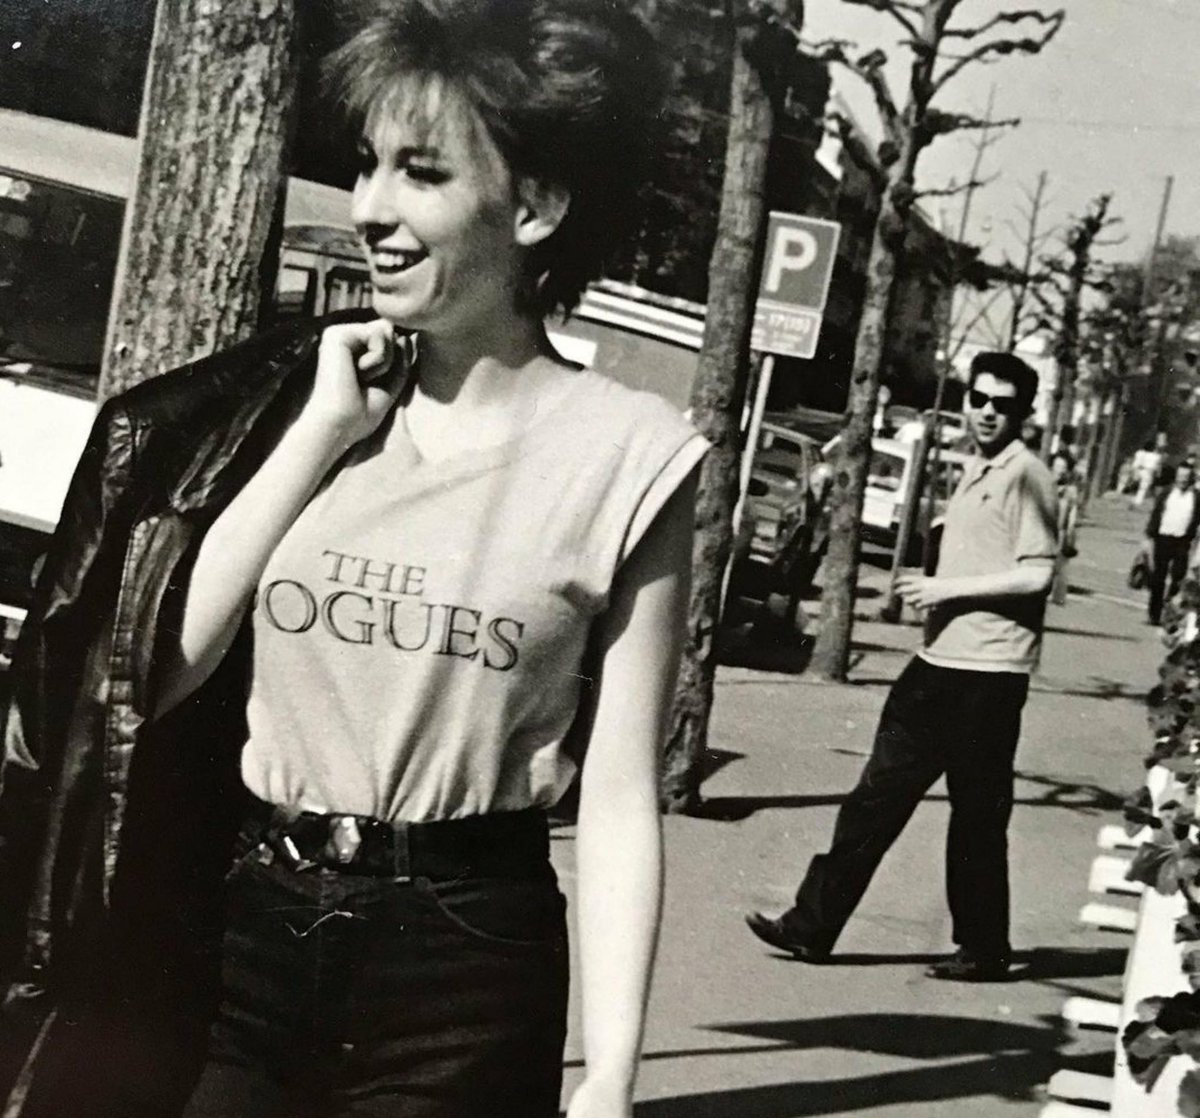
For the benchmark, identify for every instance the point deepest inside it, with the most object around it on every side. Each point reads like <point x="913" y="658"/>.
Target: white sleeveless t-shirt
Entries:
<point x="420" y="631"/>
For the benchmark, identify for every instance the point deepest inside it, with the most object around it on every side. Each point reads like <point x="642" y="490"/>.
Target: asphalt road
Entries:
<point x="738" y="1031"/>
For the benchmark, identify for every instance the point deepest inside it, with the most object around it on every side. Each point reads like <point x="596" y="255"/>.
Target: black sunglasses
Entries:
<point x="1003" y="405"/>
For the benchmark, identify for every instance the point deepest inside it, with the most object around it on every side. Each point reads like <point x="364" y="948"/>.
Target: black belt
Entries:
<point x="502" y="843"/>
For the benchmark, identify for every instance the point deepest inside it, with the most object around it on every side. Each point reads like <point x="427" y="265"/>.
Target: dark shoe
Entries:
<point x="771" y="931"/>
<point x="962" y="966"/>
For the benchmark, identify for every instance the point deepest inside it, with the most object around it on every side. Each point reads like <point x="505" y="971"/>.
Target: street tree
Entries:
<point x="764" y="42"/>
<point x="939" y="53"/>
<point x="1112" y="334"/>
<point x="204" y="220"/>
<point x="1125" y="335"/>
<point x="1069" y="276"/>
<point x="1025" y="320"/>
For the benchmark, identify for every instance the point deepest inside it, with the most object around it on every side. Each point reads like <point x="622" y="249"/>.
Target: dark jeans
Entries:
<point x="367" y="995"/>
<point x="935" y="720"/>
<point x="1170" y="565"/>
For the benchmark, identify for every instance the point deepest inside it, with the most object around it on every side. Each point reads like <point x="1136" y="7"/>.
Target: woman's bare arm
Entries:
<point x="354" y="389"/>
<point x="619" y="843"/>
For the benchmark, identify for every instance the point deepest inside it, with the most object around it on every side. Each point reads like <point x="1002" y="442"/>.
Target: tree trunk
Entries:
<point x="839" y="581"/>
<point x="1062" y="402"/>
<point x="1110" y="459"/>
<point x="202" y="227"/>
<point x="718" y="396"/>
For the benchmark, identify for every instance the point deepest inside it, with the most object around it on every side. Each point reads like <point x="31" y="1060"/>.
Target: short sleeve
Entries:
<point x="1036" y="515"/>
<point x="680" y="460"/>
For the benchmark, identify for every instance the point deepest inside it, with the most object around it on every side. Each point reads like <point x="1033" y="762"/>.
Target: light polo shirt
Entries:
<point x="1004" y="512"/>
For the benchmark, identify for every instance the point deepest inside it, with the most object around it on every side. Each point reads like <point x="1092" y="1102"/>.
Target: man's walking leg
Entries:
<point x="905" y="760"/>
<point x="979" y="777"/>
<point x="1158" y="578"/>
<point x="1176" y="567"/>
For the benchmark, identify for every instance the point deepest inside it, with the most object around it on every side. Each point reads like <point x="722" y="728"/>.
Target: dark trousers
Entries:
<point x="367" y="995"/>
<point x="936" y="720"/>
<point x="1170" y="565"/>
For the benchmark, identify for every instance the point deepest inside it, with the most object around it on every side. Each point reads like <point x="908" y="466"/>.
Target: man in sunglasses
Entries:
<point x="956" y="708"/>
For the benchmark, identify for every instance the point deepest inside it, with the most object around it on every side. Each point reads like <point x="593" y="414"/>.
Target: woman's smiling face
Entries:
<point x="436" y="211"/>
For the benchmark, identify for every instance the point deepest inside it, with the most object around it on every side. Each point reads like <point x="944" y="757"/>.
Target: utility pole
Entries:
<point x="1158" y="375"/>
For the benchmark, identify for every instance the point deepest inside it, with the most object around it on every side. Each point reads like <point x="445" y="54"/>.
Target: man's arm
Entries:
<point x="1028" y="579"/>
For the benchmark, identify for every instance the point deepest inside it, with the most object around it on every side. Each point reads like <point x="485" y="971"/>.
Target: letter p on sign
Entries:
<point x="792" y="250"/>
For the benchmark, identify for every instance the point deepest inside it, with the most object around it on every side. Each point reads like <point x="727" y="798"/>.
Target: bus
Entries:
<point x="63" y="190"/>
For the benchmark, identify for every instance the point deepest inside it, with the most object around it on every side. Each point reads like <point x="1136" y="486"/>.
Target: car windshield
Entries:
<point x="58" y="249"/>
<point x="886" y="471"/>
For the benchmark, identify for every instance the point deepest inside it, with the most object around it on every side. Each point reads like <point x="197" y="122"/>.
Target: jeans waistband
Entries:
<point x="496" y="844"/>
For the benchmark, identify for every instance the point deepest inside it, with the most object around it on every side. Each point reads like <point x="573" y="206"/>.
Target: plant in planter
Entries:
<point x="1169" y="857"/>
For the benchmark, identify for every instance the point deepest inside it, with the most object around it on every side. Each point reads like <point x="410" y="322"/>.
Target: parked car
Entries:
<point x="952" y="431"/>
<point x="788" y="507"/>
<point x="887" y="480"/>
<point x="897" y="417"/>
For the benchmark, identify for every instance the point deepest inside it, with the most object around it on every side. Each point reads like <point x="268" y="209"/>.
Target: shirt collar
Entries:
<point x="984" y="465"/>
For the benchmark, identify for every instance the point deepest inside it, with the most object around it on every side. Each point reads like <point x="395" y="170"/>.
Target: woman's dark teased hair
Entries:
<point x="568" y="90"/>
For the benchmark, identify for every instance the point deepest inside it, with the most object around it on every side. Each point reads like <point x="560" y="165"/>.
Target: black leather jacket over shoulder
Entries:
<point x="101" y="808"/>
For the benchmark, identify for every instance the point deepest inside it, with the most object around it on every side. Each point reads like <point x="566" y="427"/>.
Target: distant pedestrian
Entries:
<point x="1147" y="463"/>
<point x="1170" y="533"/>
<point x="956" y="708"/>
<point x="1066" y="481"/>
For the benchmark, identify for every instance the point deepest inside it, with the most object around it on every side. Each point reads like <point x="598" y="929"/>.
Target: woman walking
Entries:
<point x="456" y="570"/>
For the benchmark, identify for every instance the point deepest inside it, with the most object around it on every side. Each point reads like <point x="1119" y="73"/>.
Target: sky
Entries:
<point x="1112" y="104"/>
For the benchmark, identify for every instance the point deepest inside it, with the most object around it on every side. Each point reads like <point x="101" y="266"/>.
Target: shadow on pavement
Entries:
<point x="1069" y="794"/>
<point x="1092" y="633"/>
<point x="1036" y="964"/>
<point x="766" y="651"/>
<point x="1097" y="688"/>
<point x="1013" y="1060"/>
<point x="1070" y="962"/>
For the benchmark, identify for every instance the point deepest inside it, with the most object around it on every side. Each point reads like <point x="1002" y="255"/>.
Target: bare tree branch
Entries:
<point x="956" y="189"/>
<point x="997" y="47"/>
<point x="904" y="13"/>
<point x="938" y="123"/>
<point x="984" y="316"/>
<point x="870" y="68"/>
<point x="998" y="20"/>
<point x="846" y="132"/>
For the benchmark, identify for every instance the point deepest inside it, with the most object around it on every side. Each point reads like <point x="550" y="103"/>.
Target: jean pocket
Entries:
<point x="512" y="912"/>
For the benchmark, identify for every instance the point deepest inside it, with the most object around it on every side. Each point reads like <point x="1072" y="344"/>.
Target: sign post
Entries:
<point x="797" y="268"/>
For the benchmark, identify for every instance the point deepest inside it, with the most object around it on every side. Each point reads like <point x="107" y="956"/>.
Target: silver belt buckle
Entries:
<point x="344" y="838"/>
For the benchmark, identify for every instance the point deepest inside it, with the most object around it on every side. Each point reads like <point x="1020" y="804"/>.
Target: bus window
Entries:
<point x="58" y="248"/>
<point x="296" y="292"/>
<point x="346" y="287"/>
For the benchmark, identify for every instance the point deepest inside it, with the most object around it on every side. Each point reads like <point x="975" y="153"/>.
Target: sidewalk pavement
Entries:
<point x="737" y="1030"/>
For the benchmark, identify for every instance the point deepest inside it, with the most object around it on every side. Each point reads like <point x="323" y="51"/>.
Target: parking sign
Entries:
<point x="797" y="267"/>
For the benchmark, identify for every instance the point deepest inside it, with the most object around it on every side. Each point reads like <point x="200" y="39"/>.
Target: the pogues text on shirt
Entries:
<point x="372" y="601"/>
